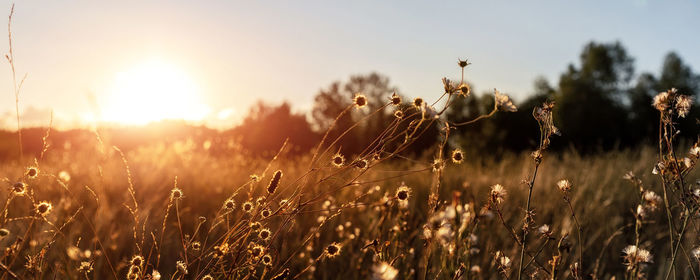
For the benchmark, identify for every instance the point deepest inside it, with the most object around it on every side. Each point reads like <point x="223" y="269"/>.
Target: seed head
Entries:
<point x="19" y="189"/>
<point x="449" y="86"/>
<point x="267" y="260"/>
<point x="136" y="260"/>
<point x="265" y="213"/>
<point x="564" y="185"/>
<point x="360" y="100"/>
<point x="635" y="255"/>
<point x="257" y="251"/>
<point x="498" y="193"/>
<point x="395" y="99"/>
<point x="502" y="260"/>
<point x="264" y="234"/>
<point x="661" y="100"/>
<point x="85" y="267"/>
<point x="464" y="89"/>
<point x="229" y="204"/>
<point x="418" y="103"/>
<point x="207" y="277"/>
<point x="683" y="104"/>
<point x="457" y="156"/>
<point x="175" y="194"/>
<point x="384" y="271"/>
<point x="398" y="114"/>
<point x="181" y="267"/>
<point x="196" y="245"/>
<point x="403" y="193"/>
<point x="274" y="182"/>
<point x="463" y="63"/>
<point x="504" y="103"/>
<point x="4" y="232"/>
<point x="255" y="226"/>
<point x="338" y="160"/>
<point x="332" y="250"/>
<point x="32" y="172"/>
<point x="361" y="163"/>
<point x="248" y="206"/>
<point x="43" y="208"/>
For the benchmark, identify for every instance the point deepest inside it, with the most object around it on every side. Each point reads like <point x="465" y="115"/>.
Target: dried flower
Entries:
<point x="229" y="204"/>
<point x="19" y="189"/>
<point x="635" y="255"/>
<point x="564" y="185"/>
<point x="338" y="160"/>
<point x="360" y="100"/>
<point x="395" y="99"/>
<point x="264" y="234"/>
<point x="502" y="260"/>
<point x="43" y="208"/>
<point x="267" y="260"/>
<point x="181" y="267"/>
<point x="175" y="194"/>
<point x="274" y="182"/>
<point x="418" y="103"/>
<point x="683" y="104"/>
<point x="504" y="103"/>
<point x="403" y="193"/>
<point x="457" y="156"/>
<point x="248" y="206"/>
<point x="332" y="250"/>
<point x="398" y="114"/>
<point x="32" y="172"/>
<point x="498" y="193"/>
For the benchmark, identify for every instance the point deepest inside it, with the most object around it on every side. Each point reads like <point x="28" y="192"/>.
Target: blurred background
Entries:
<point x="225" y="73"/>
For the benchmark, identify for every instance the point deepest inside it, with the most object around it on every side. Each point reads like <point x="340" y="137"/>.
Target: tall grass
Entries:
<point x="173" y="211"/>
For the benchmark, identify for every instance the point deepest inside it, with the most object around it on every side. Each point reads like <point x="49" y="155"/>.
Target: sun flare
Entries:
<point x="153" y="91"/>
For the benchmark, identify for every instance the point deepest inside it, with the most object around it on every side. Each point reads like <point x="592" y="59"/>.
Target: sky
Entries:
<point x="121" y="61"/>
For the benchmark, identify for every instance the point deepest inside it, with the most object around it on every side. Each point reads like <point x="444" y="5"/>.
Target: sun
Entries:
<point x="153" y="91"/>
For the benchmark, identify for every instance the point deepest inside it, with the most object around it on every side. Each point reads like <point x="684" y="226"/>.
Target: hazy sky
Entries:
<point x="234" y="52"/>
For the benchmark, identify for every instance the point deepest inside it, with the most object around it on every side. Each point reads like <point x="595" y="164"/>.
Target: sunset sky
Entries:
<point x="208" y="61"/>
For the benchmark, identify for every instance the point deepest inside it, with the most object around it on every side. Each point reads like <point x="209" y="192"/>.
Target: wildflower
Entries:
<point x="4" y="232"/>
<point x="248" y="206"/>
<point x="403" y="193"/>
<point x="175" y="194"/>
<point x="229" y="204"/>
<point x="384" y="271"/>
<point x="360" y="100"/>
<point x="661" y="100"/>
<point x="395" y="99"/>
<point x="332" y="250"/>
<point x="457" y="156"/>
<point x="498" y="193"/>
<point x="635" y="255"/>
<point x="267" y="260"/>
<point x="418" y="103"/>
<point x="181" y="267"/>
<point x="274" y="183"/>
<point x="449" y="86"/>
<point x="19" y="189"/>
<point x="264" y="234"/>
<point x="338" y="160"/>
<point x="683" y="104"/>
<point x="32" y="172"/>
<point x="43" y="208"/>
<point x="504" y="103"/>
<point x="283" y="275"/>
<point x="398" y="114"/>
<point x="564" y="185"/>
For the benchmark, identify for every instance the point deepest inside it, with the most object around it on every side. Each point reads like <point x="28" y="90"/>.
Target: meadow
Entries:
<point x="178" y="211"/>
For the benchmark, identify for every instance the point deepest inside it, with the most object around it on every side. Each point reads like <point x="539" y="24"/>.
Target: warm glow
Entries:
<point x="153" y="91"/>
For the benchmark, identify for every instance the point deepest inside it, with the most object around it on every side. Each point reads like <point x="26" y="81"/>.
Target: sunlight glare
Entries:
<point x="153" y="91"/>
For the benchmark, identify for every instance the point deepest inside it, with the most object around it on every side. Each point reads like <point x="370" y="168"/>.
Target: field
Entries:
<point x="178" y="211"/>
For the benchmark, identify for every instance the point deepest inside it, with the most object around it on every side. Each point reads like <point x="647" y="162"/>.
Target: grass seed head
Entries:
<point x="274" y="182"/>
